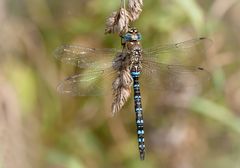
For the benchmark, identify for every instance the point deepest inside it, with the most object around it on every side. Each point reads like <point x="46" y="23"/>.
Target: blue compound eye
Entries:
<point x="131" y="37"/>
<point x="128" y="37"/>
<point x="139" y="36"/>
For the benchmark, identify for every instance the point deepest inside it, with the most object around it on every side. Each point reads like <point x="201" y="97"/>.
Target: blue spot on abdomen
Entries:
<point x="135" y="74"/>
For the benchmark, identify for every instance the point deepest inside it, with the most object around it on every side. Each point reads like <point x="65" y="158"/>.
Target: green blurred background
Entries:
<point x="196" y="127"/>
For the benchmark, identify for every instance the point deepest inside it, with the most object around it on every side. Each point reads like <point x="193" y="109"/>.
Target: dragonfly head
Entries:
<point x="131" y="36"/>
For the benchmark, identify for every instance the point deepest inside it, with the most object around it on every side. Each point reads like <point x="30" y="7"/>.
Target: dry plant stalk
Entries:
<point x="121" y="90"/>
<point x="122" y="84"/>
<point x="135" y="8"/>
<point x="118" y="21"/>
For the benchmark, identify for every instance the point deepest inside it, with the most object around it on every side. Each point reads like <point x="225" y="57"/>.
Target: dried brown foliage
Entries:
<point x="118" y="21"/>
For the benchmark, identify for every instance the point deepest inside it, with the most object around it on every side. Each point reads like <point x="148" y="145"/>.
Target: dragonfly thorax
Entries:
<point x="135" y="55"/>
<point x="133" y="49"/>
<point x="136" y="58"/>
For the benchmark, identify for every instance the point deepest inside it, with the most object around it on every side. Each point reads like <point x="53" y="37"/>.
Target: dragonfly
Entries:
<point x="128" y="64"/>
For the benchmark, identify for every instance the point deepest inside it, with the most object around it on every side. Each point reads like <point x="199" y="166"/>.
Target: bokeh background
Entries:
<point x="194" y="127"/>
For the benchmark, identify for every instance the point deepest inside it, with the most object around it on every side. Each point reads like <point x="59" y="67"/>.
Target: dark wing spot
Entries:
<point x="202" y="38"/>
<point x="200" y="68"/>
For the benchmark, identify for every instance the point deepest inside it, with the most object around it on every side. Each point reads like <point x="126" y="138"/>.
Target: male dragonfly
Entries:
<point x="128" y="64"/>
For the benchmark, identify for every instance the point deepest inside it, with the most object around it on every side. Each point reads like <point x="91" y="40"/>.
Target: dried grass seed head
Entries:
<point x="135" y="8"/>
<point x="118" y="22"/>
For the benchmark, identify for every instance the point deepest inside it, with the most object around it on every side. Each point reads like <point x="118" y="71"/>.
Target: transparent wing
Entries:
<point x="85" y="84"/>
<point x="186" y="48"/>
<point x="85" y="57"/>
<point x="170" y="76"/>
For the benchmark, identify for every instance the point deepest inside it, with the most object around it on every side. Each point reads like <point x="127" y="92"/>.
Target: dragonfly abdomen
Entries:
<point x="139" y="112"/>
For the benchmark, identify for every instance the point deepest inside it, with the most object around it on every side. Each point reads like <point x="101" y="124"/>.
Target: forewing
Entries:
<point x="179" y="50"/>
<point x="85" y="84"/>
<point x="84" y="57"/>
